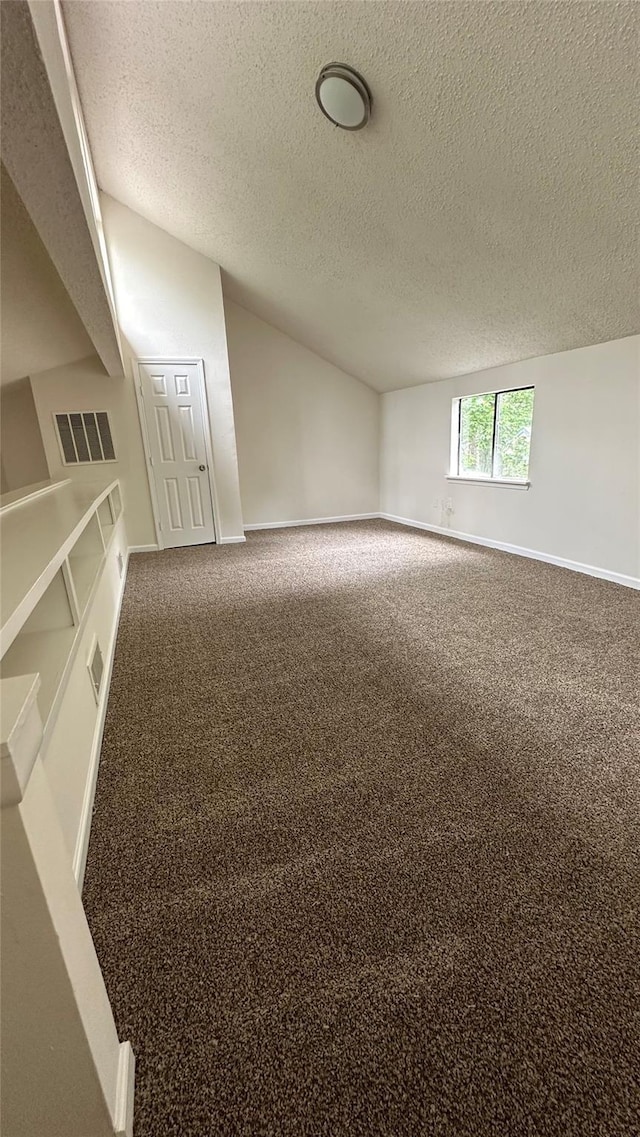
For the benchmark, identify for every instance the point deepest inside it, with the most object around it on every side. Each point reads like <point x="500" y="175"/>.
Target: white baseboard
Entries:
<point x="503" y="546"/>
<point x="86" y="813"/>
<point x="312" y="521"/>
<point x="156" y="548"/>
<point x="519" y="551"/>
<point x="125" y="1091"/>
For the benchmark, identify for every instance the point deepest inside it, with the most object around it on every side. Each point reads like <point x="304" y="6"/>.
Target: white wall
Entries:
<point x="23" y="455"/>
<point x="40" y="326"/>
<point x="583" y="503"/>
<point x="84" y="386"/>
<point x="169" y="304"/>
<point x="307" y="433"/>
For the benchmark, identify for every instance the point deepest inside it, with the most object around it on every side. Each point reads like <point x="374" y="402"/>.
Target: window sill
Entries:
<point x="502" y="482"/>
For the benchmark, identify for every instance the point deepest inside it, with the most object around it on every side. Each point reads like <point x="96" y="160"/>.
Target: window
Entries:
<point x="85" y="437"/>
<point x="491" y="435"/>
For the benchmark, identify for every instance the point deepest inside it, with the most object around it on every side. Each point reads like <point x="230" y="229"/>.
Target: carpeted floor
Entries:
<point x="364" y="859"/>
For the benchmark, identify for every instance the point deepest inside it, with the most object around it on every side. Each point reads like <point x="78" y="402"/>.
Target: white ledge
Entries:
<point x="28" y="493"/>
<point x="504" y="482"/>
<point x="20" y="737"/>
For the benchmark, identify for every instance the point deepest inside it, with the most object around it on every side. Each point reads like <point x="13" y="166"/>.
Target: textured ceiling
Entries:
<point x="40" y="326"/>
<point x="486" y="214"/>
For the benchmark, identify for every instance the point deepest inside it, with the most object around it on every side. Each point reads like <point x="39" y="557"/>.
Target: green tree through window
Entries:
<point x="494" y="434"/>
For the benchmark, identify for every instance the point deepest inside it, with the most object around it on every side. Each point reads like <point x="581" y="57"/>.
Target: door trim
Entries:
<point x="187" y="361"/>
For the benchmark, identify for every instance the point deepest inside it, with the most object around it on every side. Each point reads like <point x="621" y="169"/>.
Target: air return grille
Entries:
<point x="96" y="668"/>
<point x="85" y="437"/>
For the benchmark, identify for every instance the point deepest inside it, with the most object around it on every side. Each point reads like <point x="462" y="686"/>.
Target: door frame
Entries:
<point x="187" y="361"/>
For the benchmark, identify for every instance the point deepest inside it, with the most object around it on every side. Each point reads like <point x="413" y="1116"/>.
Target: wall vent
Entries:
<point x="96" y="668"/>
<point x="85" y="436"/>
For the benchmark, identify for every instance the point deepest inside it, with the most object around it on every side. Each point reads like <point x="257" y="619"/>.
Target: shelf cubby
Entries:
<point x="44" y="643"/>
<point x="54" y="543"/>
<point x="85" y="560"/>
<point x="107" y="519"/>
<point x="116" y="503"/>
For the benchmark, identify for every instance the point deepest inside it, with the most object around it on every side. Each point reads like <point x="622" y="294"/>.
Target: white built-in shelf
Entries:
<point x="109" y="511"/>
<point x="45" y="653"/>
<point x="84" y="573"/>
<point x="20" y="735"/>
<point x="115" y="501"/>
<point x="85" y="559"/>
<point x="36" y="538"/>
<point x="15" y="498"/>
<point x="106" y="518"/>
<point x="53" y="549"/>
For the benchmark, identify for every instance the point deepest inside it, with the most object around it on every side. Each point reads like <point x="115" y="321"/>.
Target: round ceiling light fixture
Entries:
<point x="343" y="96"/>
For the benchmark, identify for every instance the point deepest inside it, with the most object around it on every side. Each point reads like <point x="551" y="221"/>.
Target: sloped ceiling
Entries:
<point x="485" y="215"/>
<point x="40" y="326"/>
<point x="35" y="155"/>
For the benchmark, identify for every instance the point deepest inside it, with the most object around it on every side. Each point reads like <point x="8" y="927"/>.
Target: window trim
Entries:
<point x="501" y="483"/>
<point x="454" y="474"/>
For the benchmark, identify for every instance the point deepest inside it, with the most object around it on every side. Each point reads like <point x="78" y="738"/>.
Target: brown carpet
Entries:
<point x="365" y="852"/>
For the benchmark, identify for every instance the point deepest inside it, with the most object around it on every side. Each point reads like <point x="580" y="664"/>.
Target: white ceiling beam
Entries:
<point x="54" y="189"/>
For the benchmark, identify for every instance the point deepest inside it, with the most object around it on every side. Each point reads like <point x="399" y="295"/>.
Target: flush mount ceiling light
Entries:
<point x="343" y="96"/>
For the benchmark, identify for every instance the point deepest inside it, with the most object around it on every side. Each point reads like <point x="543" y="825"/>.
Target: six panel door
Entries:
<point x="174" y="404"/>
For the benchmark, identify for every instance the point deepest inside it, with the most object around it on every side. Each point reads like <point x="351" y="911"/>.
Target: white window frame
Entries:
<point x="454" y="453"/>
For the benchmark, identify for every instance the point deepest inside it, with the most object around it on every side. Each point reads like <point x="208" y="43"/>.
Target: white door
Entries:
<point x="174" y="409"/>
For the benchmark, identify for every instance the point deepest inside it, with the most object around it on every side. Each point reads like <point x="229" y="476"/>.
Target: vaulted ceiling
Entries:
<point x="486" y="214"/>
<point x="40" y="326"/>
<point x="55" y="306"/>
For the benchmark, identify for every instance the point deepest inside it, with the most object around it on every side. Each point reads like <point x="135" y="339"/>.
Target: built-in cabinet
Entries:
<point x="44" y="641"/>
<point x="41" y="624"/>
<point x="64" y="551"/>
<point x="64" y="558"/>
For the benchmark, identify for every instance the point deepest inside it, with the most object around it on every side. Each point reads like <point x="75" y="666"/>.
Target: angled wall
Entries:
<point x="307" y="433"/>
<point x="21" y="448"/>
<point x="40" y="326"/>
<point x="34" y="151"/>
<point x="169" y="305"/>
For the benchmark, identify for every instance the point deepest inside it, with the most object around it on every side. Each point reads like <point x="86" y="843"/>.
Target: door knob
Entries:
<point x="203" y="468"/>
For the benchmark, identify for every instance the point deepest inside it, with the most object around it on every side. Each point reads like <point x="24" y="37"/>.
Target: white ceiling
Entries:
<point x="486" y="214"/>
<point x="40" y="326"/>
